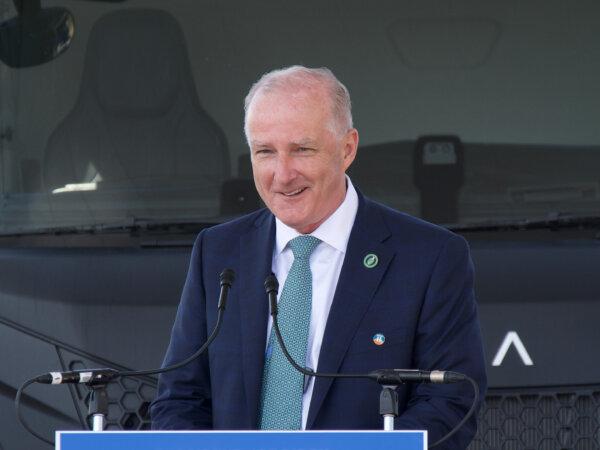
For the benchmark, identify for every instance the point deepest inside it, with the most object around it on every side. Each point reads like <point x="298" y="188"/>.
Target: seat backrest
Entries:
<point x="137" y="121"/>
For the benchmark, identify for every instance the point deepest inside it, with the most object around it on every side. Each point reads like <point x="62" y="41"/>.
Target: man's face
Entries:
<point x="297" y="160"/>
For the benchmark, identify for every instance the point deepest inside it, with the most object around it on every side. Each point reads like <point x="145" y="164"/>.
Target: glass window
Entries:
<point x="467" y="111"/>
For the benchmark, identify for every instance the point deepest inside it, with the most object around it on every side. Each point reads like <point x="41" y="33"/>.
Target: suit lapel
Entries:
<point x="256" y="251"/>
<point x="356" y="287"/>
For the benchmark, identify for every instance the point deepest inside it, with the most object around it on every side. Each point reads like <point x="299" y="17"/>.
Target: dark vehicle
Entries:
<point x="121" y="138"/>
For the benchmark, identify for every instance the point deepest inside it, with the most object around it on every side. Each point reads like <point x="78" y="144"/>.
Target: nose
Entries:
<point x="285" y="171"/>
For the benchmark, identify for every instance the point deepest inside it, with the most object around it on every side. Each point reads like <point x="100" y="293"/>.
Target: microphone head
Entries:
<point x="227" y="277"/>
<point x="271" y="284"/>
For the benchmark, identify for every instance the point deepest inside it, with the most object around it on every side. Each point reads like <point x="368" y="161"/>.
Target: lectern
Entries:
<point x="241" y="440"/>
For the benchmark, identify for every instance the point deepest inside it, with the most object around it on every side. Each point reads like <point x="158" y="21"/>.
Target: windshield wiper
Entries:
<point x="131" y="225"/>
<point x="554" y="221"/>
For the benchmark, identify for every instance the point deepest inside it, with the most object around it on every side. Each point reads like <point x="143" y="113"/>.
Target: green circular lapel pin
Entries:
<point x="370" y="260"/>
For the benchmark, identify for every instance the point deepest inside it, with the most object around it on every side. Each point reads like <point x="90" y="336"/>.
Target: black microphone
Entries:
<point x="226" y="278"/>
<point x="400" y="376"/>
<point x="86" y="376"/>
<point x="272" y="287"/>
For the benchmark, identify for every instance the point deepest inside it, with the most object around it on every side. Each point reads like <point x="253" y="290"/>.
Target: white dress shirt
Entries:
<point x="325" y="264"/>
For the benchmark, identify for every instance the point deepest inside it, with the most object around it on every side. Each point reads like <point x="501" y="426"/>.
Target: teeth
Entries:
<point x="297" y="191"/>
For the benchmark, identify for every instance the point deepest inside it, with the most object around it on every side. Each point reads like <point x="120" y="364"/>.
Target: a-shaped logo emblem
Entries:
<point x="512" y="338"/>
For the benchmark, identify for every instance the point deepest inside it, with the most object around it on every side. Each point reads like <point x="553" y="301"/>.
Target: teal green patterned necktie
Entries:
<point x="283" y="386"/>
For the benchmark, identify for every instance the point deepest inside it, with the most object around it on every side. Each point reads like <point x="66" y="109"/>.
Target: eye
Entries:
<point x="263" y="152"/>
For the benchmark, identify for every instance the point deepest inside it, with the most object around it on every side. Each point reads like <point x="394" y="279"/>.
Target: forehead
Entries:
<point x="290" y="102"/>
<point x="300" y="114"/>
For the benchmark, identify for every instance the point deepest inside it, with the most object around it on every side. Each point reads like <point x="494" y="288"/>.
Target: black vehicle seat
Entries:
<point x="137" y="123"/>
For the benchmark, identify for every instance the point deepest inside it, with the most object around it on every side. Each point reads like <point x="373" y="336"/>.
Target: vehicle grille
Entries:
<point x="540" y="419"/>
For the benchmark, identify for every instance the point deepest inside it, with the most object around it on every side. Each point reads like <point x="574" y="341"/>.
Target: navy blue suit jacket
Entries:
<point x="419" y="296"/>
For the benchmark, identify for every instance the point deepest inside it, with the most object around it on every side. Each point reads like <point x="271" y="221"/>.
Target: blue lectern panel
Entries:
<point x="242" y="440"/>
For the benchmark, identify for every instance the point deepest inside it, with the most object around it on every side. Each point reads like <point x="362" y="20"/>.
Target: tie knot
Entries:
<point x="303" y="246"/>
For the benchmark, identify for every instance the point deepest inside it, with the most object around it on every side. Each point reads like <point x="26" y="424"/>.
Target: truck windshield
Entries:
<point x="467" y="111"/>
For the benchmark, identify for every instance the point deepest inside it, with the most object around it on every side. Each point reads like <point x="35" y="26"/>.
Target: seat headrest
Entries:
<point x="129" y="42"/>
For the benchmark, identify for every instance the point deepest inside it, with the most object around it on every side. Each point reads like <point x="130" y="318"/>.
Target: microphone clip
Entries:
<point x="102" y="377"/>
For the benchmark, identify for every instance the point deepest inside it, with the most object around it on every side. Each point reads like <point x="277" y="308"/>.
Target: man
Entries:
<point x="364" y="287"/>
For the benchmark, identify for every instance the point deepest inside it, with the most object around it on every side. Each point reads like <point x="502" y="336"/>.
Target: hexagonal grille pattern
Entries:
<point x="128" y="399"/>
<point x="540" y="419"/>
<point x="129" y="404"/>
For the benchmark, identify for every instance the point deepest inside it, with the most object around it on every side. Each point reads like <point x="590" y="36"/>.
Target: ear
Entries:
<point x="350" y="147"/>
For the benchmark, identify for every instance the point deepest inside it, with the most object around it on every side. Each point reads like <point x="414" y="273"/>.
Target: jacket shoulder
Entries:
<point x="409" y="228"/>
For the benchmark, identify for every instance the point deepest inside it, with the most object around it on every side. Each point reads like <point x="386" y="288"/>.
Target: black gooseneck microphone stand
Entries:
<point x="98" y="379"/>
<point x="389" y="379"/>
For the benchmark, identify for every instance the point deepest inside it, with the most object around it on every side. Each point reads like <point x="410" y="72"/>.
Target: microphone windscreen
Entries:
<point x="227" y="277"/>
<point x="271" y="284"/>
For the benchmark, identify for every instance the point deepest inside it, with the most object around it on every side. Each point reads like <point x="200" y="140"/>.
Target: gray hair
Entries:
<point x="304" y="77"/>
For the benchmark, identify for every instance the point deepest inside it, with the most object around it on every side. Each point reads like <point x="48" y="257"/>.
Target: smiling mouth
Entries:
<point x="294" y="193"/>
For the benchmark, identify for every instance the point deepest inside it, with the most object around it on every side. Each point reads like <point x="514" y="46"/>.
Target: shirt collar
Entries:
<point x="335" y="231"/>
